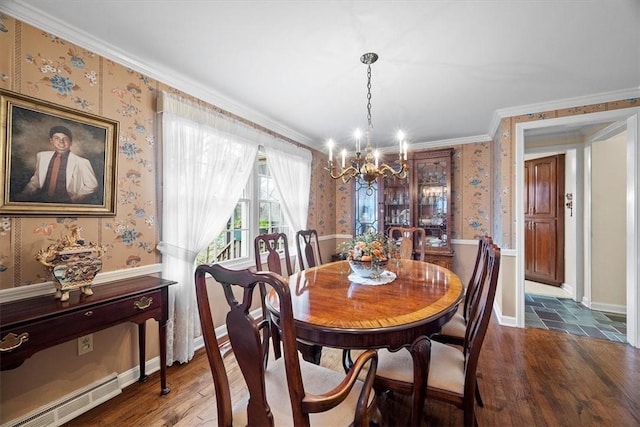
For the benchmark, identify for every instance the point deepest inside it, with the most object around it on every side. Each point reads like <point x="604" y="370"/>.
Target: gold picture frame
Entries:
<point x="30" y="133"/>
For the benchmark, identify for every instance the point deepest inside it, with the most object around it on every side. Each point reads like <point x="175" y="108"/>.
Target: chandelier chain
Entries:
<point x="369" y="96"/>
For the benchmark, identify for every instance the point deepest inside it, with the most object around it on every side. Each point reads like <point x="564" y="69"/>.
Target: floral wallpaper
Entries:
<point x="471" y="192"/>
<point x="345" y="221"/>
<point x="322" y="200"/>
<point x="41" y="65"/>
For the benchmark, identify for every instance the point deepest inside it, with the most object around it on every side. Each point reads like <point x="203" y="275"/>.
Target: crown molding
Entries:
<point x="578" y="101"/>
<point x="449" y="142"/>
<point x="32" y="16"/>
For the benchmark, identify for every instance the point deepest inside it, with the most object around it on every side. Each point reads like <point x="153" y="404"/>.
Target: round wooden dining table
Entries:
<point x="332" y="309"/>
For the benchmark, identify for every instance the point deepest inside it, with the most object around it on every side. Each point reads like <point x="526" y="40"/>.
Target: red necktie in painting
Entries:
<point x="55" y="169"/>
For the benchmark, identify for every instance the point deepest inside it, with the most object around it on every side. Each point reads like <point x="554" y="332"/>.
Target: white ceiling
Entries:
<point x="447" y="69"/>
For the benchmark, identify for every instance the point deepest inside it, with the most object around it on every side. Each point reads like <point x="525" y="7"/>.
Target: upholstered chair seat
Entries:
<point x="317" y="380"/>
<point x="446" y="369"/>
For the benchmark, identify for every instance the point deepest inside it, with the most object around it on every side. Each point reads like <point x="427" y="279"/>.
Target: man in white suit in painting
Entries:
<point x="60" y="175"/>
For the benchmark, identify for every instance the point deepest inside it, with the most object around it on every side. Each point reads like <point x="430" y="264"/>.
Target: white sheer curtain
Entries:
<point x="290" y="167"/>
<point x="205" y="168"/>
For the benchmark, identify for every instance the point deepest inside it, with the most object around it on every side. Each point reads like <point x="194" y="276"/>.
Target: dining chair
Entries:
<point x="308" y="248"/>
<point x="451" y="375"/>
<point x="454" y="330"/>
<point x="270" y="243"/>
<point x="290" y="391"/>
<point x="274" y="244"/>
<point x="407" y="237"/>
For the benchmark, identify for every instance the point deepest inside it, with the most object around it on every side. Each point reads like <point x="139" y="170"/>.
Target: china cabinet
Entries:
<point x="423" y="200"/>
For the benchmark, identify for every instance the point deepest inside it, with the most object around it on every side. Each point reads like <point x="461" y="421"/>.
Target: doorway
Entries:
<point x="631" y="120"/>
<point x="605" y="179"/>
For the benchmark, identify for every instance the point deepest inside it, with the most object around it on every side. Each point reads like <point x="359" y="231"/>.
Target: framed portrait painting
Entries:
<point x="56" y="161"/>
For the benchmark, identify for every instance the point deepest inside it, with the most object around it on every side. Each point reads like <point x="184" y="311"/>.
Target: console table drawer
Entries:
<point x="50" y="332"/>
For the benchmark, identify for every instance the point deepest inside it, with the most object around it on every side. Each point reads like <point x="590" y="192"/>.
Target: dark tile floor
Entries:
<point x="566" y="315"/>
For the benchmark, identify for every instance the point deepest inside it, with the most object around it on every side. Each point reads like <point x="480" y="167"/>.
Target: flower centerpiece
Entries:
<point x="368" y="253"/>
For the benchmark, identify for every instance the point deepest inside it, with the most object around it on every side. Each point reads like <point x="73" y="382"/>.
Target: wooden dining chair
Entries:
<point x="408" y="237"/>
<point x="270" y="243"/>
<point x="454" y="330"/>
<point x="290" y="391"/>
<point x="276" y="246"/>
<point x="451" y="375"/>
<point x="308" y="248"/>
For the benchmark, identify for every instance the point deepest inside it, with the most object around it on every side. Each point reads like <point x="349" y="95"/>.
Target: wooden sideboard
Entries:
<point x="33" y="324"/>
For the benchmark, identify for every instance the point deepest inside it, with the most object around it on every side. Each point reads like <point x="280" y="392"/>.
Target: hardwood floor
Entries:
<point x="528" y="377"/>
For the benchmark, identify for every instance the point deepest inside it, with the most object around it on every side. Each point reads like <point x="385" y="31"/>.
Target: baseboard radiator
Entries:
<point x="70" y="406"/>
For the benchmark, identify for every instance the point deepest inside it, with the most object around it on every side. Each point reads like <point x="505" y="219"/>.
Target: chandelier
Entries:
<point x="367" y="168"/>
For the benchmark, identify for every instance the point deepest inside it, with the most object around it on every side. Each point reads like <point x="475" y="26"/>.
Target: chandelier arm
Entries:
<point x="387" y="170"/>
<point x="347" y="173"/>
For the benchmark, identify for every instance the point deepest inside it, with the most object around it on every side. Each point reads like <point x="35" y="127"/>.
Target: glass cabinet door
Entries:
<point x="432" y="182"/>
<point x="432" y="198"/>
<point x="397" y="203"/>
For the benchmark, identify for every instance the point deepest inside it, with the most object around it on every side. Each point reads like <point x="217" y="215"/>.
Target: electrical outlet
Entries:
<point x="85" y="344"/>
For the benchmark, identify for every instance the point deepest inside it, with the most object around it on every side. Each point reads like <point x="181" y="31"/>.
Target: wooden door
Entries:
<point x="544" y="220"/>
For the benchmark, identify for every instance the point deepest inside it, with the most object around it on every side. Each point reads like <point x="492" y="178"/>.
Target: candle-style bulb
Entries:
<point x="400" y="140"/>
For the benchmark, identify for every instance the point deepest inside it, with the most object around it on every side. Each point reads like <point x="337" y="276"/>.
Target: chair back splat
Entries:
<point x="350" y="401"/>
<point x="412" y="240"/>
<point x="273" y="244"/>
<point x="308" y="246"/>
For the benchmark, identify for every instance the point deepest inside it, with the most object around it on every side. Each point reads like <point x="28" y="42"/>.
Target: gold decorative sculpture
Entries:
<point x="72" y="263"/>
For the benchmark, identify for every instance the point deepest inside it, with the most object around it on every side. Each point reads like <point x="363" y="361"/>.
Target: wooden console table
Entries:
<point x="33" y="324"/>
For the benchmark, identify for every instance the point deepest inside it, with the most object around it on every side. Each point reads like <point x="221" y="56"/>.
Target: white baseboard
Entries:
<point x="570" y="289"/>
<point x="504" y="320"/>
<point x="609" y="308"/>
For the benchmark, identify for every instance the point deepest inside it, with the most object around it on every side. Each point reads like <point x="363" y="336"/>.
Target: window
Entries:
<point x="235" y="243"/>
